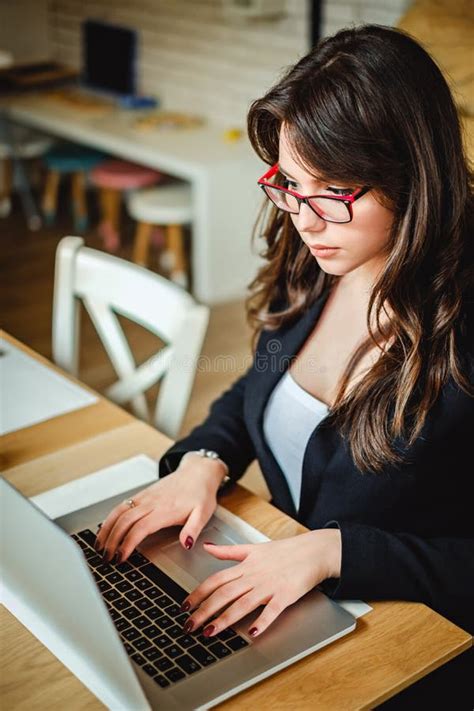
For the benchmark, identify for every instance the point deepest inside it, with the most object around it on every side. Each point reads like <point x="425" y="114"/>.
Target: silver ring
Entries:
<point x="130" y="503"/>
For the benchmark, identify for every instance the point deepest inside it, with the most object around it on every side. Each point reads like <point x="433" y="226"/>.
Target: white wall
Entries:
<point x="25" y="29"/>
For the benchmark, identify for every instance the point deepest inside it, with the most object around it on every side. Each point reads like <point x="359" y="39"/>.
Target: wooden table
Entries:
<point x="399" y="642"/>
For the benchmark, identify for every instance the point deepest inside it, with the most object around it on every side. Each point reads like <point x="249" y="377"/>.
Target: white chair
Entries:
<point x="108" y="285"/>
<point x="169" y="206"/>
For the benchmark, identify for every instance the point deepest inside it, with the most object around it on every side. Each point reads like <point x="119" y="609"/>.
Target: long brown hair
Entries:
<point x="369" y="106"/>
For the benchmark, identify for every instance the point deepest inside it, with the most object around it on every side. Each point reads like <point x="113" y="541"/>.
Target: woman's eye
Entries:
<point x="340" y="191"/>
<point x="290" y="184"/>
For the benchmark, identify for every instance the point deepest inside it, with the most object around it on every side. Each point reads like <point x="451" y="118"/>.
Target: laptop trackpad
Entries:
<point x="197" y="563"/>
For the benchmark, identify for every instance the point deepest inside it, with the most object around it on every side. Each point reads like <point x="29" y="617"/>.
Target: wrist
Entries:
<point x="215" y="465"/>
<point x="329" y="539"/>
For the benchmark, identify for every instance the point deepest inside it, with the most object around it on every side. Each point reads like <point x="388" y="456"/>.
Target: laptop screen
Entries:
<point x="108" y="57"/>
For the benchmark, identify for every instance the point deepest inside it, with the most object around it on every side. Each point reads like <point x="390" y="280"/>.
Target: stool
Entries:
<point x="75" y="160"/>
<point x="170" y="206"/>
<point x="113" y="177"/>
<point x="18" y="143"/>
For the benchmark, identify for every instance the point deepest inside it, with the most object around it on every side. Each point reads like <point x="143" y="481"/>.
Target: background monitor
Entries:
<point x="109" y="56"/>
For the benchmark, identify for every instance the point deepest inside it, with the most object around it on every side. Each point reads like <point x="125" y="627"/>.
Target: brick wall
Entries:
<point x="196" y="60"/>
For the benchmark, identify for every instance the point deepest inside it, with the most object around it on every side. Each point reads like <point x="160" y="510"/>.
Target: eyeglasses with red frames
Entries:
<point x="332" y="208"/>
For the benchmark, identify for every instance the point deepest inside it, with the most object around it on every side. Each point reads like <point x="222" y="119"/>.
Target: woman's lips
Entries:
<point x="323" y="251"/>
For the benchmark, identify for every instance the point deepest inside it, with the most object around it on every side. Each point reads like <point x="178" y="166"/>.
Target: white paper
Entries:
<point x="137" y="471"/>
<point x="31" y="392"/>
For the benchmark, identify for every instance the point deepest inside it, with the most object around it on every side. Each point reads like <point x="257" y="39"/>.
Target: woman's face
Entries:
<point x="361" y="244"/>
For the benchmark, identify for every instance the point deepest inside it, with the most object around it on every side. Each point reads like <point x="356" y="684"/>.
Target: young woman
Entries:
<point x="358" y="404"/>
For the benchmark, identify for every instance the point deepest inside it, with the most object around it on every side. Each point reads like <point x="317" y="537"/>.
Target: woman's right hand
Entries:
<point x="187" y="497"/>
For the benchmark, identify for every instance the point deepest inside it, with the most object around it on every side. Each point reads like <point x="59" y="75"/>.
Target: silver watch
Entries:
<point x="211" y="454"/>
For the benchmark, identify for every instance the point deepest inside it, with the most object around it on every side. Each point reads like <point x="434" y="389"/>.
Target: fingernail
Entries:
<point x="208" y="630"/>
<point x="97" y="546"/>
<point x="185" y="606"/>
<point x="105" y="557"/>
<point x="188" y="625"/>
<point x="189" y="542"/>
<point x="253" y="631"/>
<point x="99" y="526"/>
<point x="116" y="558"/>
<point x="209" y="543"/>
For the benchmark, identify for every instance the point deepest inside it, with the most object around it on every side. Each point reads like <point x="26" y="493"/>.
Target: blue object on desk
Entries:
<point x="138" y="102"/>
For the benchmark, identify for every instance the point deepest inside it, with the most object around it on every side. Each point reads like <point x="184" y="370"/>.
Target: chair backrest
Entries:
<point x="108" y="286"/>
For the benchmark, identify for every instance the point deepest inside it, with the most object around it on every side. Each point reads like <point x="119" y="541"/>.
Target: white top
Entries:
<point x="290" y="417"/>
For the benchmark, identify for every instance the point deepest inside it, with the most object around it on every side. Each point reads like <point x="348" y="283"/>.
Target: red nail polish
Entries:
<point x="185" y="606"/>
<point x="188" y="626"/>
<point x="189" y="542"/>
<point x="210" y="543"/>
<point x="208" y="630"/>
<point x="253" y="631"/>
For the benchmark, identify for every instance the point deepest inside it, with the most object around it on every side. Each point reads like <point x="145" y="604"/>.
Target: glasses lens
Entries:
<point x="283" y="200"/>
<point x="332" y="210"/>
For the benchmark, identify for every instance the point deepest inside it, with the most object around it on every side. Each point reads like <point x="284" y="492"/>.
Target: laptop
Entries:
<point x="119" y="628"/>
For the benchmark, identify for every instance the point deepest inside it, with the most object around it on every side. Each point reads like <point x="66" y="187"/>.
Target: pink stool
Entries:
<point x="113" y="177"/>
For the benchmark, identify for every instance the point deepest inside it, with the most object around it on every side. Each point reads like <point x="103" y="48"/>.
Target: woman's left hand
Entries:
<point x="274" y="574"/>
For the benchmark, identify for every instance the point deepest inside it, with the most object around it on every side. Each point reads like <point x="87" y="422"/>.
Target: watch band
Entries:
<point x="211" y="454"/>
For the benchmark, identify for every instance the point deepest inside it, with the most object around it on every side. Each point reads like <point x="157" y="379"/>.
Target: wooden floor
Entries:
<point x="26" y="292"/>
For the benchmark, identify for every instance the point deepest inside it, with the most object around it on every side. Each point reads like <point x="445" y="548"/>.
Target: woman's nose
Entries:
<point x="307" y="220"/>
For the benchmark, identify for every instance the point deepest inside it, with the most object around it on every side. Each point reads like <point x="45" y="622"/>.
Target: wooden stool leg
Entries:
<point x="79" y="202"/>
<point x="6" y="176"/>
<point x="50" y="196"/>
<point x="141" y="243"/>
<point x="109" y="227"/>
<point x="175" y="244"/>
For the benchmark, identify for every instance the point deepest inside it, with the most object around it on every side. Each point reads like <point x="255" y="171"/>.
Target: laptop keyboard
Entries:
<point x="144" y="604"/>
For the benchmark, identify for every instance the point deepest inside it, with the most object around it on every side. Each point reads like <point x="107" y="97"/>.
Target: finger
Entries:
<point x="120" y="529"/>
<point x="221" y="597"/>
<point x="272" y="609"/>
<point x="108" y="524"/>
<point x="209" y="585"/>
<point x="241" y="607"/>
<point x="191" y="530"/>
<point x="234" y="552"/>
<point x="135" y="535"/>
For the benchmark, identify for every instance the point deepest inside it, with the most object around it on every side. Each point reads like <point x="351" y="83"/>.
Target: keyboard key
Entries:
<point x="149" y="669"/>
<point x="95" y="561"/>
<point x="164" y="622"/>
<point x="163" y="664"/>
<point x="114" y="578"/>
<point x="88" y="552"/>
<point x="163" y="601"/>
<point x="111" y="595"/>
<point x="97" y="577"/>
<point x="153" y="593"/>
<point x="175" y="674"/>
<point x="175" y="631"/>
<point x="121" y="604"/>
<point x="104" y="586"/>
<point x="144" y="584"/>
<point x="152" y="654"/>
<point x="226" y="634"/>
<point x="122" y="624"/>
<point x="123" y="567"/>
<point x="141" y="622"/>
<point x="144" y="604"/>
<point x="185" y="640"/>
<point x="104" y="569"/>
<point x="172" y="610"/>
<point x="88" y="536"/>
<point x="133" y="575"/>
<point x="153" y="613"/>
<point x="202" y="655"/>
<point x="114" y="614"/>
<point x="220" y="650"/>
<point x="181" y="619"/>
<point x="142" y="643"/>
<point x="161" y="680"/>
<point x="163" y="581"/>
<point x="131" y="612"/>
<point x="162" y="641"/>
<point x="133" y="595"/>
<point x="124" y="586"/>
<point x="173" y="651"/>
<point x="188" y="664"/>
<point x="131" y="634"/>
<point x="138" y="659"/>
<point x="128" y="648"/>
<point x="151" y="631"/>
<point x="237" y="643"/>
<point x="138" y="559"/>
<point x="206" y="641"/>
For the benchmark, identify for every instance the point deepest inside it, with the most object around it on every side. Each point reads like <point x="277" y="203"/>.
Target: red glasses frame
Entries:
<point x="348" y="200"/>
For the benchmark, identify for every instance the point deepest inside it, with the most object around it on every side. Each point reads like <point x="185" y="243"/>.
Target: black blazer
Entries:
<point x="407" y="533"/>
